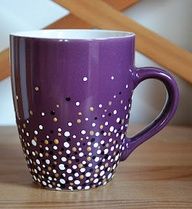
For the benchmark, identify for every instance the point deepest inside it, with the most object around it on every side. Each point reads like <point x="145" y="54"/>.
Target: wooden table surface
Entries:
<point x="157" y="175"/>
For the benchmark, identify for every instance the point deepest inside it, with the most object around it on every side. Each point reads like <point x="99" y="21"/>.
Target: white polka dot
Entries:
<point x="59" y="129"/>
<point x="47" y="161"/>
<point x="118" y="120"/>
<point x="54" y="157"/>
<point x="106" y="151"/>
<point x="35" y="132"/>
<point x="76" y="174"/>
<point x="68" y="151"/>
<point x="126" y="86"/>
<point x="81" y="154"/>
<point x="44" y="183"/>
<point x="61" y="167"/>
<point x="106" y="123"/>
<point x="77" y="103"/>
<point x="67" y="133"/>
<point x="109" y="176"/>
<point x="111" y="129"/>
<point x="62" y="181"/>
<point x="112" y="77"/>
<point x="70" y="124"/>
<point x="27" y="133"/>
<point x="93" y="124"/>
<point x="86" y="119"/>
<point x="115" y="131"/>
<point x="102" y="173"/>
<point x="77" y="182"/>
<point x="127" y="116"/>
<point x="87" y="187"/>
<point x="115" y="112"/>
<point x="85" y="78"/>
<point x="97" y="134"/>
<point x="74" y="166"/>
<point x="88" y="174"/>
<point x="121" y="101"/>
<point x="83" y="132"/>
<point x="100" y="105"/>
<point x="110" y="140"/>
<point x="37" y="161"/>
<point x="74" y="136"/>
<point x="122" y="136"/>
<point x="125" y="108"/>
<point x="95" y="181"/>
<point x="102" y="142"/>
<point x="55" y="147"/>
<point x="96" y="159"/>
<point x="105" y="134"/>
<point x="103" y="116"/>
<point x="78" y="143"/>
<point x="99" y="152"/>
<point x="66" y="144"/>
<point x="82" y="170"/>
<point x="33" y="142"/>
<point x="70" y="178"/>
<point x="69" y="170"/>
<point x="40" y="127"/>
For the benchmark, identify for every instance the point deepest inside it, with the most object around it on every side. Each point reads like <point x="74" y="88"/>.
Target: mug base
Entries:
<point x="71" y="190"/>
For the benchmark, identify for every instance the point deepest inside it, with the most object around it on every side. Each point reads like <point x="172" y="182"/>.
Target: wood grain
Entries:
<point x="157" y="175"/>
<point x="69" y="21"/>
<point x="151" y="44"/>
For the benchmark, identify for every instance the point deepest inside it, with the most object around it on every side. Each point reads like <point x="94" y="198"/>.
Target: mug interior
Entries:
<point x="74" y="34"/>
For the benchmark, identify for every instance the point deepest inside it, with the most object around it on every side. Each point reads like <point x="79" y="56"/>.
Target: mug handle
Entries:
<point x="166" y="114"/>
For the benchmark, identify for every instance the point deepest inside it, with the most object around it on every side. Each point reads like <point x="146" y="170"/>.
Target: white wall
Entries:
<point x="170" y="18"/>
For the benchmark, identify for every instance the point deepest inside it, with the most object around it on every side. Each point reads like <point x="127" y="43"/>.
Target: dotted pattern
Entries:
<point x="79" y="154"/>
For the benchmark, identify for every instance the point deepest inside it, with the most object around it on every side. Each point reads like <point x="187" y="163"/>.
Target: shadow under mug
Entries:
<point x="72" y="93"/>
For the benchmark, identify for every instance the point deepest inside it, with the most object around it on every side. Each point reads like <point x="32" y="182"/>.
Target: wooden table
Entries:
<point x="157" y="175"/>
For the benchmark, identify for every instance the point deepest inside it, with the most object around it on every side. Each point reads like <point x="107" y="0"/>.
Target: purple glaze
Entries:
<point x="72" y="100"/>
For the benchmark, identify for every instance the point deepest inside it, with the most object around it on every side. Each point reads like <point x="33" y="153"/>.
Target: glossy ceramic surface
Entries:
<point x="72" y="100"/>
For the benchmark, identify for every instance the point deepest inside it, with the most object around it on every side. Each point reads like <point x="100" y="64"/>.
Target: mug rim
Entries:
<point x="73" y="34"/>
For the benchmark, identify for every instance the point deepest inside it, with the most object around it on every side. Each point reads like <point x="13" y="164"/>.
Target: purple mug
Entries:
<point x="72" y="92"/>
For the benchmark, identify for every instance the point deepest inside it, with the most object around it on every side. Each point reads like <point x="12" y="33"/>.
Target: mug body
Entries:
<point x="72" y="94"/>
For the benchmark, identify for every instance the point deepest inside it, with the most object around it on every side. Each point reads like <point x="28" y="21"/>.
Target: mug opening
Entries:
<point x="74" y="34"/>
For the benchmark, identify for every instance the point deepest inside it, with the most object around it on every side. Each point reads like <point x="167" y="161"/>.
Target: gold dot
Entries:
<point x="91" y="133"/>
<point x="78" y="120"/>
<point x="55" y="119"/>
<point x="89" y="158"/>
<point x="69" y="161"/>
<point x="43" y="172"/>
<point x="81" y="139"/>
<point x="56" y="141"/>
<point x="110" y="103"/>
<point x="46" y="141"/>
<point x="74" y="149"/>
<point x="91" y="109"/>
<point x="107" y="145"/>
<point x="60" y="153"/>
<point x="24" y="126"/>
<point x="46" y="154"/>
<point x="79" y="113"/>
<point x="80" y="165"/>
<point x="114" y="141"/>
<point x="55" y="162"/>
<point x="53" y="183"/>
<point x="36" y="88"/>
<point x="97" y="170"/>
<point x="106" y="164"/>
<point x="49" y="168"/>
<point x="88" y="149"/>
<point x="35" y="138"/>
<point x="123" y="121"/>
<point x="30" y="112"/>
<point x="71" y="183"/>
<point x="56" y="175"/>
<point x="59" y="134"/>
<point x="91" y="179"/>
<point x="109" y="134"/>
<point x="94" y="186"/>
<point x="101" y="126"/>
<point x="81" y="176"/>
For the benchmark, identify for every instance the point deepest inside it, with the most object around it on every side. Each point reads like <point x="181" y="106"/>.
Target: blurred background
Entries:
<point x="169" y="18"/>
